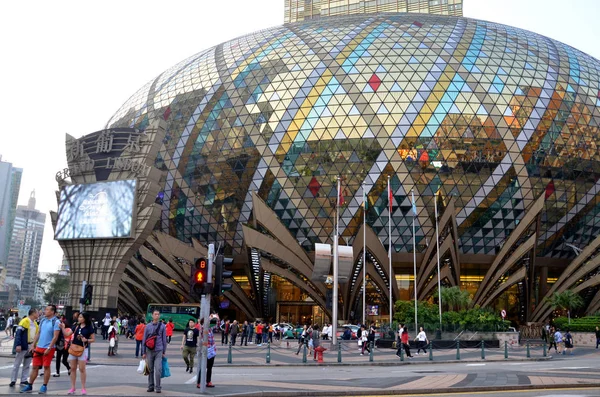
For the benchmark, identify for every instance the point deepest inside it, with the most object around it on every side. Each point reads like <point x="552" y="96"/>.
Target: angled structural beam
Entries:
<point x="508" y="255"/>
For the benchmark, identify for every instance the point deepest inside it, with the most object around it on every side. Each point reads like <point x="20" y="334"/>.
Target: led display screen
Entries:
<point x="101" y="210"/>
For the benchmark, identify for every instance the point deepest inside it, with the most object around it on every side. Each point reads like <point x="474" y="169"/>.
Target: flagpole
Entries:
<point x="437" y="243"/>
<point x="335" y="264"/>
<point x="364" y="258"/>
<point x="414" y="206"/>
<point x="390" y="197"/>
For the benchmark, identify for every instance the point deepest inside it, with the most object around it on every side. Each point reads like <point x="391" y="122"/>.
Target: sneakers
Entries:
<point x="12" y="384"/>
<point x="43" y="389"/>
<point x="209" y="384"/>
<point x="26" y="389"/>
<point x="83" y="392"/>
<point x="71" y="392"/>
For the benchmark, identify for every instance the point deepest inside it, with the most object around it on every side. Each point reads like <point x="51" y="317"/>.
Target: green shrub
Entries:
<point x="581" y="324"/>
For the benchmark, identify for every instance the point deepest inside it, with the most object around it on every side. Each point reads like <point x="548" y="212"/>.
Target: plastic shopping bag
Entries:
<point x="166" y="371"/>
<point x="140" y="369"/>
<point x="111" y="342"/>
<point x="146" y="369"/>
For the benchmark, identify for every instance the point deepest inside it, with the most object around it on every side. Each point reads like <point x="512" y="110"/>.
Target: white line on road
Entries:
<point x="191" y="381"/>
<point x="475" y="365"/>
<point x="6" y="367"/>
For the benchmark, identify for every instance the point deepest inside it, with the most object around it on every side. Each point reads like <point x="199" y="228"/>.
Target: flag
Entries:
<point x="549" y="190"/>
<point x="390" y="195"/>
<point x="365" y="199"/>
<point x="341" y="200"/>
<point x="414" y="204"/>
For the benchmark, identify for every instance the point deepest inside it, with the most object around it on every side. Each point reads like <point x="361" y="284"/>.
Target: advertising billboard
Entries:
<point x="101" y="210"/>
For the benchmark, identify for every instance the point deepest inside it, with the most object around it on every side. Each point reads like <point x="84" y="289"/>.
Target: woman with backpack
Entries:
<point x="62" y="351"/>
<point x="82" y="336"/>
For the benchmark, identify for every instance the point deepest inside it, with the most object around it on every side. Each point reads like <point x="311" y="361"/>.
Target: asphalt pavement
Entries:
<point x="287" y="374"/>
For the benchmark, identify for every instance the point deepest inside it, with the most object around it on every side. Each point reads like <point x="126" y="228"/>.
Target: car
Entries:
<point x="354" y="328"/>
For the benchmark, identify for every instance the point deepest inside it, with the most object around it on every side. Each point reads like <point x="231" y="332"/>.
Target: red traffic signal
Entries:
<point x="200" y="275"/>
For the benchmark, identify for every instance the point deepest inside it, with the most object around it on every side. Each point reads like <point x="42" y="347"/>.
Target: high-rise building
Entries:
<point x="26" y="243"/>
<point x="10" y="182"/>
<point x="300" y="10"/>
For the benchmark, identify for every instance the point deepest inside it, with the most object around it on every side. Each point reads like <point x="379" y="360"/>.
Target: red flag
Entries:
<point x="390" y="196"/>
<point x="549" y="189"/>
<point x="341" y="200"/>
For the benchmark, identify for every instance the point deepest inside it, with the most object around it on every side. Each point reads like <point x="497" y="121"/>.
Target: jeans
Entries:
<point x="597" y="342"/>
<point x="421" y="345"/>
<point x="244" y="339"/>
<point x="209" y="366"/>
<point x="154" y="360"/>
<point x="20" y="358"/>
<point x="258" y="339"/>
<point x="233" y="338"/>
<point x="138" y="347"/>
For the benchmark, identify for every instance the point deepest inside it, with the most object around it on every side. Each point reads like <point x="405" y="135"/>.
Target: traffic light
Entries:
<point x="200" y="275"/>
<point x="87" y="295"/>
<point x="221" y="274"/>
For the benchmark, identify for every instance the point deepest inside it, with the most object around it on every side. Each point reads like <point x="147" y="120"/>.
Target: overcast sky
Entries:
<point x="67" y="66"/>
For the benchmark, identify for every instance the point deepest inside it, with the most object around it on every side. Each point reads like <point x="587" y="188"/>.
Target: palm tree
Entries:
<point x="454" y="297"/>
<point x="567" y="300"/>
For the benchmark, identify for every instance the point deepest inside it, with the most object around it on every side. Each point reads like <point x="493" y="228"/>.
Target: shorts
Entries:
<point x="83" y="357"/>
<point x="41" y="360"/>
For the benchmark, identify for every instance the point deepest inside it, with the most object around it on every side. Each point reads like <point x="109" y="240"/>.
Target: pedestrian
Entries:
<point x="44" y="343"/>
<point x="558" y="339"/>
<point x="259" y="332"/>
<point x="364" y="340"/>
<point x="105" y="325"/>
<point x="62" y="354"/>
<point x="271" y="330"/>
<point x="225" y="328"/>
<point x="406" y="343"/>
<point x="245" y="332"/>
<point x="316" y="340"/>
<point x="15" y="325"/>
<point x="211" y="352"/>
<point x="325" y="332"/>
<point x="544" y="334"/>
<point x="251" y="334"/>
<point x="170" y="327"/>
<point x="597" y="336"/>
<point x="9" y="326"/>
<point x="330" y="332"/>
<point x="422" y="341"/>
<point x="83" y="335"/>
<point x="139" y="336"/>
<point x="399" y="341"/>
<point x="552" y="340"/>
<point x="303" y="339"/>
<point x="233" y="331"/>
<point x="188" y="345"/>
<point x="26" y="332"/>
<point x="154" y="348"/>
<point x="112" y="337"/>
<point x="568" y="342"/>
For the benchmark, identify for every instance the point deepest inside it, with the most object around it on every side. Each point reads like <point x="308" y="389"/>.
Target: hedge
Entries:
<point x="582" y="324"/>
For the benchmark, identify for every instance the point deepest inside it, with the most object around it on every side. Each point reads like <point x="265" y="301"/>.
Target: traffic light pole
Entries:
<point x="205" y="313"/>
<point x="83" y="284"/>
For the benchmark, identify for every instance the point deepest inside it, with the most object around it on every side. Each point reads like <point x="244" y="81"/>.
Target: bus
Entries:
<point x="180" y="314"/>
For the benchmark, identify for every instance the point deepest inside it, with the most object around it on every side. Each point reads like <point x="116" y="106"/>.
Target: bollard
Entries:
<point x="339" y="347"/>
<point x="545" y="350"/>
<point x="229" y="355"/>
<point x="458" y="350"/>
<point x="304" y="354"/>
<point x="269" y="353"/>
<point x="482" y="350"/>
<point x="401" y="352"/>
<point x="371" y="352"/>
<point x="506" y="350"/>
<point x="528" y="351"/>
<point x="430" y="351"/>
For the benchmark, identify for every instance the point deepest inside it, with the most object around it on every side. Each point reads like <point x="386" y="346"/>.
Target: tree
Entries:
<point x="455" y="298"/>
<point x="567" y="300"/>
<point x="56" y="286"/>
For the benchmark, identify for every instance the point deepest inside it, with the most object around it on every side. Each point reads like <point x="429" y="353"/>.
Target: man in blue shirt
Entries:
<point x="44" y="347"/>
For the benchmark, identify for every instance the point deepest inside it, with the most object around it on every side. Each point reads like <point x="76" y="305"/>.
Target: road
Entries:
<point x="386" y="375"/>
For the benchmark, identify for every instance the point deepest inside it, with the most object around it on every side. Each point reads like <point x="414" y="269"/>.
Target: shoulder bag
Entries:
<point x="76" y="350"/>
<point x="151" y="341"/>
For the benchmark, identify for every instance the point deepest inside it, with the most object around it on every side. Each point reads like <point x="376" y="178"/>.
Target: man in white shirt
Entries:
<point x="330" y="332"/>
<point x="105" y="325"/>
<point x="325" y="332"/>
<point x="421" y="341"/>
<point x="9" y="324"/>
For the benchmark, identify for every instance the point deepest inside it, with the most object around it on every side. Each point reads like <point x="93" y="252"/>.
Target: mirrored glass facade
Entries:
<point x="492" y="115"/>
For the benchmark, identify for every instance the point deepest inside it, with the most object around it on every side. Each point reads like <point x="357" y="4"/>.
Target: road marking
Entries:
<point x="7" y="367"/>
<point x="191" y="380"/>
<point x="475" y="365"/>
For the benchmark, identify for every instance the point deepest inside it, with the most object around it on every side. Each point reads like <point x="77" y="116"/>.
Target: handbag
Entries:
<point x="151" y="341"/>
<point x="166" y="371"/>
<point x="140" y="368"/>
<point x="111" y="342"/>
<point x="76" y="350"/>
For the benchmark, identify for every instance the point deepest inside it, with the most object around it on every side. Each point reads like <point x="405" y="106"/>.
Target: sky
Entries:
<point x="67" y="66"/>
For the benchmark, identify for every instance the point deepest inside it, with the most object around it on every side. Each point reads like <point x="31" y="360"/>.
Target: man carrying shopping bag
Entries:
<point x="154" y="348"/>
